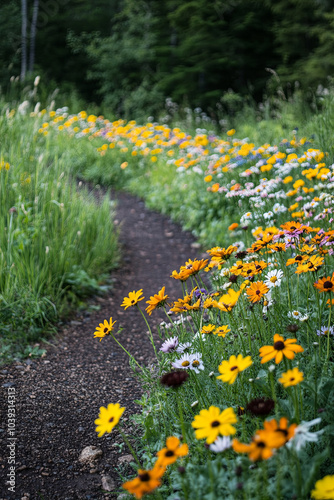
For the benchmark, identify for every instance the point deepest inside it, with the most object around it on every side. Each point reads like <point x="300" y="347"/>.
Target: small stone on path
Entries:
<point x="89" y="454"/>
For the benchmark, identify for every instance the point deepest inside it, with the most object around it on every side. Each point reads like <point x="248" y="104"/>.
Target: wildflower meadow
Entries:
<point x="239" y="400"/>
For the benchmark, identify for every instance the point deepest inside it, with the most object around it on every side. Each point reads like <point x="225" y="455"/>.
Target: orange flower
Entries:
<point x="281" y="428"/>
<point x="325" y="284"/>
<point x="256" y="291"/>
<point x="280" y="348"/>
<point x="172" y="451"/>
<point x="233" y="226"/>
<point x="262" y="445"/>
<point x="147" y="481"/>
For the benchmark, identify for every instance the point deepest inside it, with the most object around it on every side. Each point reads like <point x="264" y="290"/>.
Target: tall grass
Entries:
<point x="56" y="241"/>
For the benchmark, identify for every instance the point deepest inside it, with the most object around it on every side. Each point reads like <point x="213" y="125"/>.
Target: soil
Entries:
<point x="57" y="397"/>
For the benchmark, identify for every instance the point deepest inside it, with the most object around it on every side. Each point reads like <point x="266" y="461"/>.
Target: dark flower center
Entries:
<point x="299" y="257"/>
<point x="328" y="285"/>
<point x="292" y="379"/>
<point x="106" y="330"/>
<point x="169" y="453"/>
<point x="279" y="346"/>
<point x="144" y="477"/>
<point x="258" y="292"/>
<point x="215" y="423"/>
<point x="111" y="419"/>
<point x="233" y="368"/>
<point x="261" y="444"/>
<point x="133" y="301"/>
<point x="283" y="431"/>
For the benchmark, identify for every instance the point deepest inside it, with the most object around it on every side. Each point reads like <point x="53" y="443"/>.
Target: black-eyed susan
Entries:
<point x="221" y="331"/>
<point x="325" y="284"/>
<point x="108" y="418"/>
<point x="227" y="301"/>
<point x="104" y="329"/>
<point x="172" y="451"/>
<point x="280" y="429"/>
<point x="157" y="300"/>
<point x="145" y="482"/>
<point x="207" y="329"/>
<point x="281" y="348"/>
<point x="229" y="369"/>
<point x="133" y="299"/>
<point x="261" y="447"/>
<point x="212" y="422"/>
<point x="256" y="291"/>
<point x="324" y="489"/>
<point x="291" y="377"/>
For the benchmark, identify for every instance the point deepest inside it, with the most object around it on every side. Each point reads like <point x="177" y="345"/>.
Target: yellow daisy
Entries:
<point x="291" y="377"/>
<point x="210" y="423"/>
<point x="157" y="300"/>
<point x="229" y="369"/>
<point x="108" y="418"/>
<point x="104" y="329"/>
<point x="132" y="299"/>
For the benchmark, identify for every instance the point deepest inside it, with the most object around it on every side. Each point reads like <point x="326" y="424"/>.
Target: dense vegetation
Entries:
<point x="131" y="55"/>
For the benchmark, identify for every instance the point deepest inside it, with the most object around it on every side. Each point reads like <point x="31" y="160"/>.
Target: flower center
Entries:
<point x="185" y="363"/>
<point x="106" y="330"/>
<point x="195" y="363"/>
<point x="111" y="419"/>
<point x="261" y="444"/>
<point x="215" y="423"/>
<point x="273" y="279"/>
<point x="233" y="368"/>
<point x="298" y="258"/>
<point x="169" y="453"/>
<point x="328" y="285"/>
<point x="144" y="477"/>
<point x="133" y="301"/>
<point x="279" y="346"/>
<point x="292" y="379"/>
<point x="295" y="313"/>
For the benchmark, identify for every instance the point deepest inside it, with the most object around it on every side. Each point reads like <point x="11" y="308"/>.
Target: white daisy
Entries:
<point x="221" y="444"/>
<point x="324" y="331"/>
<point x="274" y="278"/>
<point x="170" y="345"/>
<point x="183" y="347"/>
<point x="184" y="363"/>
<point x="303" y="436"/>
<point x="196" y="362"/>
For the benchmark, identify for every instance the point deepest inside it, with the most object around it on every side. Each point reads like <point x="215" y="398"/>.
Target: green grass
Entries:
<point x="57" y="243"/>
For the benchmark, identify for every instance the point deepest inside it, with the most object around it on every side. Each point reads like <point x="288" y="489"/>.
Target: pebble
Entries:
<point x="89" y="454"/>
<point x="107" y="483"/>
<point x="125" y="458"/>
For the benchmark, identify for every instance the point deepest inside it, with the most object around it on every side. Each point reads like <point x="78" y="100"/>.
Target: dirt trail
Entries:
<point x="58" y="397"/>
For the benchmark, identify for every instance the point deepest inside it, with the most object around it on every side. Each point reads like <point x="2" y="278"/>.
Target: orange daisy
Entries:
<point x="157" y="300"/>
<point x="256" y="291"/>
<point x="325" y="284"/>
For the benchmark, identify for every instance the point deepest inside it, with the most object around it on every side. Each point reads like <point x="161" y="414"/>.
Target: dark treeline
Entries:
<point x="132" y="54"/>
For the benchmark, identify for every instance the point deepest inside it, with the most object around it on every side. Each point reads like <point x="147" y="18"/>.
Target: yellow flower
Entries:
<point x="208" y="328"/>
<point x="210" y="423"/>
<point x="229" y="369"/>
<point x="104" y="329"/>
<point x="230" y="132"/>
<point x="324" y="489"/>
<point x="291" y="377"/>
<point x="281" y="348"/>
<point x="108" y="418"/>
<point x="227" y="301"/>
<point x="132" y="299"/>
<point x="157" y="300"/>
<point x="221" y="331"/>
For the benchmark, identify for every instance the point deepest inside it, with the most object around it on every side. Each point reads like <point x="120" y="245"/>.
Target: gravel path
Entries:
<point x="57" y="398"/>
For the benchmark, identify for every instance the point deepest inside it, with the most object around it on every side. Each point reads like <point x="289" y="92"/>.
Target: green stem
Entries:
<point x="181" y="418"/>
<point x="134" y="454"/>
<point x="127" y="352"/>
<point x="149" y="331"/>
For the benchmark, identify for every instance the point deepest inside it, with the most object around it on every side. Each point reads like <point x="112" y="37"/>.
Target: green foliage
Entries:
<point x="56" y="244"/>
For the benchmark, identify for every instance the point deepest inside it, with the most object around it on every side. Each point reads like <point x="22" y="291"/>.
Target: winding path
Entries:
<point x="58" y="397"/>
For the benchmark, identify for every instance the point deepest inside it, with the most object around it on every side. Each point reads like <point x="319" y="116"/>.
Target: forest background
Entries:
<point x="128" y="56"/>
